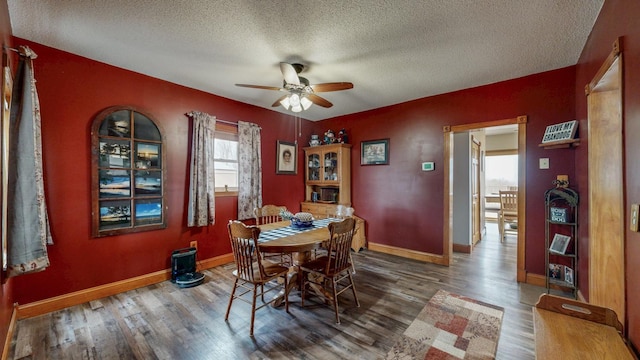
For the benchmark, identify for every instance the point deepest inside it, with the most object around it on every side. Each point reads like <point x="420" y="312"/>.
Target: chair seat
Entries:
<point x="320" y="265"/>
<point x="271" y="271"/>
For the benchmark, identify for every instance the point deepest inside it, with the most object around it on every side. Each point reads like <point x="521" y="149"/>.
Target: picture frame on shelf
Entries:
<point x="559" y="244"/>
<point x="555" y="271"/>
<point x="558" y="214"/>
<point x="286" y="158"/>
<point x="568" y="275"/>
<point x="374" y="152"/>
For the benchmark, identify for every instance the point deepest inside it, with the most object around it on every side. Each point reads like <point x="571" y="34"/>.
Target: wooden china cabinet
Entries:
<point x="328" y="184"/>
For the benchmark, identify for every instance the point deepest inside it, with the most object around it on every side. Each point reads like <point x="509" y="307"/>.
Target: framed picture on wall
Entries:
<point x="286" y="158"/>
<point x="374" y="152"/>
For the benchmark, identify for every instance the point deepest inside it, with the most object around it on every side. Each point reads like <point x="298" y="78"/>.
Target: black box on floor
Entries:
<point x="183" y="268"/>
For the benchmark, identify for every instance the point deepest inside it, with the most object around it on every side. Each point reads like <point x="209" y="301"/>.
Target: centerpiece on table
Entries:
<point x="302" y="220"/>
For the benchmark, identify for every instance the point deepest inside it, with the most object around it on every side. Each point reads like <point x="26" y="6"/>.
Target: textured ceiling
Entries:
<point x="391" y="50"/>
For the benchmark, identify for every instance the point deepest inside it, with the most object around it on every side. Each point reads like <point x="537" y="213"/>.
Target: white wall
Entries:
<point x="462" y="188"/>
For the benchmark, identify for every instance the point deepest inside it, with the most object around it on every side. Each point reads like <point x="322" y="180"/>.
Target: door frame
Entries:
<point x="447" y="241"/>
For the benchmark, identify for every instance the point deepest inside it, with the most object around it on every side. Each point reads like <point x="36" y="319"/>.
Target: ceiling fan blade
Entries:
<point x="260" y="87"/>
<point x="289" y="73"/>
<point x="335" y="86"/>
<point x="319" y="101"/>
<point x="277" y="103"/>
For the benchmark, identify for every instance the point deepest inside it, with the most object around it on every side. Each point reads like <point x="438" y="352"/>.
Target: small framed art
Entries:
<point x="558" y="214"/>
<point x="559" y="244"/>
<point x="287" y="158"/>
<point x="374" y="152"/>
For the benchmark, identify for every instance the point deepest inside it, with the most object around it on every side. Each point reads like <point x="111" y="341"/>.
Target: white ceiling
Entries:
<point x="391" y="50"/>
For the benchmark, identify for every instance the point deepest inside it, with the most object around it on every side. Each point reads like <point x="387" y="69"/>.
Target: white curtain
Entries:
<point x="28" y="231"/>
<point x="249" y="169"/>
<point x="202" y="196"/>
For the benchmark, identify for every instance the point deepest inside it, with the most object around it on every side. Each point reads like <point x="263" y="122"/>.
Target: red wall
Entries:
<point x="403" y="205"/>
<point x="72" y="91"/>
<point x="618" y="18"/>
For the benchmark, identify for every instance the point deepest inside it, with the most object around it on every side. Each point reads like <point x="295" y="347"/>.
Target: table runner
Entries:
<point x="288" y="230"/>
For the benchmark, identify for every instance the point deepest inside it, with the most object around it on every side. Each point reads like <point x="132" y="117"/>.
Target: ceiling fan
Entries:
<point x="300" y="94"/>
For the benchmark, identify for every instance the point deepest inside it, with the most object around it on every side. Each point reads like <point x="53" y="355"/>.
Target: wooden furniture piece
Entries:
<point x="252" y="275"/>
<point x="327" y="177"/>
<point x="268" y="214"/>
<point x="561" y="225"/>
<point x="571" y="329"/>
<point x="333" y="269"/>
<point x="298" y="243"/>
<point x="328" y="184"/>
<point x="508" y="213"/>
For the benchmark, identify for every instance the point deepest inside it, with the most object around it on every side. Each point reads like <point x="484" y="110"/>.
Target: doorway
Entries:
<point x="449" y="132"/>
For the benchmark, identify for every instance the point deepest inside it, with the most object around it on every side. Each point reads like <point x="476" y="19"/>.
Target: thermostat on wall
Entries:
<point x="428" y="166"/>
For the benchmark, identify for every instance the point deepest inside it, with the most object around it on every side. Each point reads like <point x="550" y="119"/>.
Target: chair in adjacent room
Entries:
<point x="253" y="275"/>
<point x="268" y="214"/>
<point x="329" y="276"/>
<point x="508" y="214"/>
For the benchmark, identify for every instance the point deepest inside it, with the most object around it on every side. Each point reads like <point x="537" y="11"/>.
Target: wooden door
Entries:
<point x="475" y="191"/>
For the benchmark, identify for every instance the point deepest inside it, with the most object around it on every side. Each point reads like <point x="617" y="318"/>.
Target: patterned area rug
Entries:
<point x="451" y="327"/>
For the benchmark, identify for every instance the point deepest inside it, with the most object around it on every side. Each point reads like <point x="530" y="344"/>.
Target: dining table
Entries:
<point x="283" y="237"/>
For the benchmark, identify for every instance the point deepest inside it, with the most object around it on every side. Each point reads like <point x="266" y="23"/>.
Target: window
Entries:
<point x="127" y="172"/>
<point x="226" y="160"/>
<point x="501" y="172"/>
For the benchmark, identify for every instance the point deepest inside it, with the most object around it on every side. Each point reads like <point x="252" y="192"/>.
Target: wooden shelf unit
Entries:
<point x="328" y="175"/>
<point x="561" y="217"/>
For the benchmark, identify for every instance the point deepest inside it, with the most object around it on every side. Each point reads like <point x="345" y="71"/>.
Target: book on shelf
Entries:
<point x="559" y="244"/>
<point x="555" y="271"/>
<point x="568" y="275"/>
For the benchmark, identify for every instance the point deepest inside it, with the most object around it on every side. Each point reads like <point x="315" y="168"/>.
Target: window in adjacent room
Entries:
<point x="501" y="172"/>
<point x="128" y="171"/>
<point x="226" y="160"/>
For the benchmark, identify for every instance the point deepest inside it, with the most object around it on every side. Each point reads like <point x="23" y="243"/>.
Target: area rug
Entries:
<point x="451" y="327"/>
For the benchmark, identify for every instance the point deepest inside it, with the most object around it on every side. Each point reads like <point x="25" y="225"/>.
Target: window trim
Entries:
<point x="95" y="170"/>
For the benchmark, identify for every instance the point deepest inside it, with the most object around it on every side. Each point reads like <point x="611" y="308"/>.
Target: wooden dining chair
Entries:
<point x="508" y="213"/>
<point x="253" y="275"/>
<point x="330" y="275"/>
<point x="268" y="214"/>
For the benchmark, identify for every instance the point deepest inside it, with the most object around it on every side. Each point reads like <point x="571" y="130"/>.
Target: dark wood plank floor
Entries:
<point x="165" y="322"/>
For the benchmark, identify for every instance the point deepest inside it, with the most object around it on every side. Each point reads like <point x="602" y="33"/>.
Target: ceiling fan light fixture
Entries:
<point x="306" y="103"/>
<point x="285" y="103"/>
<point x="295" y="100"/>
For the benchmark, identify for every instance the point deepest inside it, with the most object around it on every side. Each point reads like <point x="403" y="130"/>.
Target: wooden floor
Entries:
<point x="165" y="322"/>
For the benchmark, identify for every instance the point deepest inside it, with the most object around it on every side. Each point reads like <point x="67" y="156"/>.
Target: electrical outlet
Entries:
<point x="634" y="217"/>
<point x="194" y="244"/>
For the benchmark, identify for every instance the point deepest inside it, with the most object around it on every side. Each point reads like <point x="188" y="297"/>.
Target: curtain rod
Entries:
<point x="227" y="122"/>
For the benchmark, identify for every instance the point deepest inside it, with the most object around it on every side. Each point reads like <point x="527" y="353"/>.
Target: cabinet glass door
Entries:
<point x="331" y="166"/>
<point x="313" y="167"/>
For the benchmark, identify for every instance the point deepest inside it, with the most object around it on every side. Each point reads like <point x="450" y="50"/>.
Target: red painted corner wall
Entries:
<point x="403" y="205"/>
<point x="618" y="18"/>
<point x="72" y="91"/>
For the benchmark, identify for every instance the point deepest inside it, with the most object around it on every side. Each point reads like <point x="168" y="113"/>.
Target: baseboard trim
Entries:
<point x="10" y="330"/>
<point x="466" y="249"/>
<point x="78" y="297"/>
<point x="410" y="254"/>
